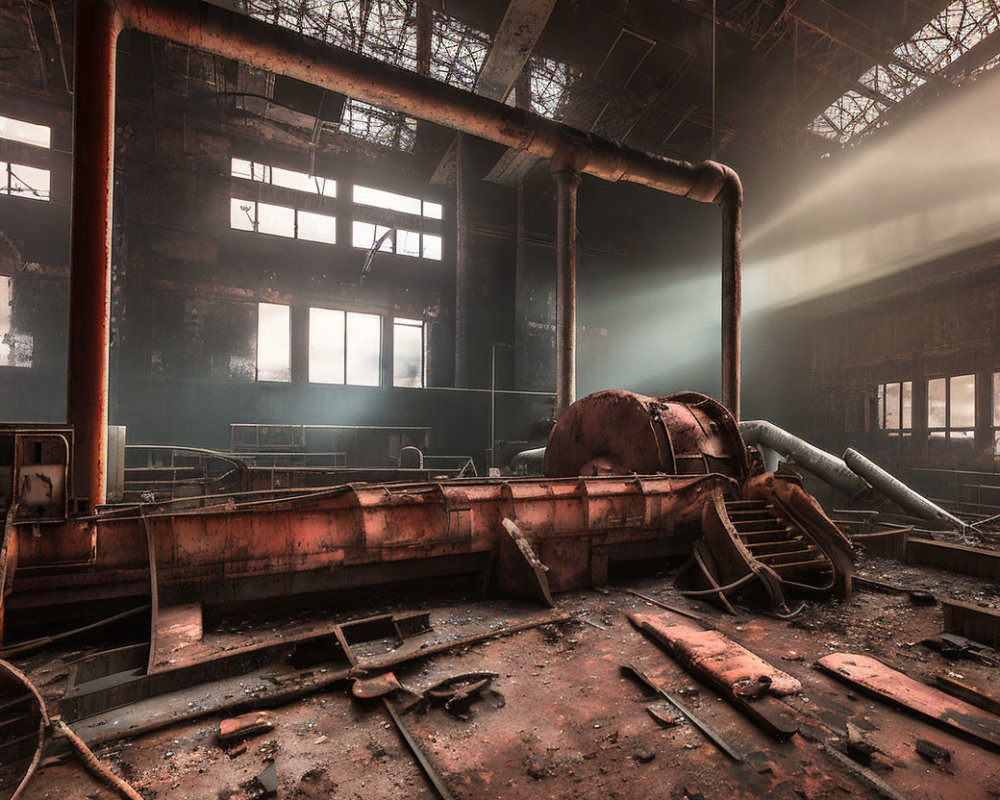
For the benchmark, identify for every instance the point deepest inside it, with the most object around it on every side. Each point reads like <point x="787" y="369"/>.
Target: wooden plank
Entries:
<point x="954" y="557"/>
<point x="973" y="622"/>
<point x="875" y="678"/>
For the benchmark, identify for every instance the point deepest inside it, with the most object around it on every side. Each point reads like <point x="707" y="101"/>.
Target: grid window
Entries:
<point x="17" y="130"/>
<point x="379" y="198"/>
<point x="20" y="180"/>
<point x="345" y="347"/>
<point x="894" y="411"/>
<point x="251" y="215"/>
<point x="951" y="408"/>
<point x="286" y="178"/>
<point x="364" y="235"/>
<point x="408" y="353"/>
<point x="274" y="343"/>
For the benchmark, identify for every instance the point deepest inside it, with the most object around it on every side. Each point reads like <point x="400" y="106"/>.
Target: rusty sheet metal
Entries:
<point x="899" y="689"/>
<point x="744" y="679"/>
<point x="376" y="686"/>
<point x="22" y="737"/>
<point x="307" y="542"/>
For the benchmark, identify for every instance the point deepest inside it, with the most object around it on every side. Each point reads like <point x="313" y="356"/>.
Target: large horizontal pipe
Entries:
<point x="897" y="491"/>
<point x="241" y="38"/>
<point x="819" y="462"/>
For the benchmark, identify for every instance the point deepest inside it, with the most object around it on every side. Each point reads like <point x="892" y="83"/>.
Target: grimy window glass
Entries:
<point x="408" y="353"/>
<point x="326" y="345"/>
<point x="274" y="343"/>
<point x="364" y="349"/>
<point x="937" y="404"/>
<point x="962" y="402"/>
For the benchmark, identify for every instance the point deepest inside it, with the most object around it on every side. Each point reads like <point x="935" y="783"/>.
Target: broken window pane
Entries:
<point x="432" y="247"/>
<point x="25" y="181"/>
<point x="892" y="406"/>
<point x="408" y="352"/>
<point x="936" y="403"/>
<point x="275" y="220"/>
<point x="326" y="345"/>
<point x="367" y="196"/>
<point x="907" y="405"/>
<point x="242" y="214"/>
<point x="408" y="243"/>
<point x="317" y="227"/>
<point x="963" y="401"/>
<point x="18" y="130"/>
<point x="364" y="234"/>
<point x="880" y="407"/>
<point x="364" y="349"/>
<point x="274" y="342"/>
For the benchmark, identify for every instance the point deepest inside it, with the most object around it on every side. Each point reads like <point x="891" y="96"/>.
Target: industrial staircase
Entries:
<point x="778" y="544"/>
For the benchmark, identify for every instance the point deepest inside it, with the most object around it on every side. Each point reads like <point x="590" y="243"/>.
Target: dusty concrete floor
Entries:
<point x="574" y="726"/>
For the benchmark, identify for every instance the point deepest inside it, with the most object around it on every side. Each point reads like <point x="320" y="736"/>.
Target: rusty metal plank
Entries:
<point x="973" y="622"/>
<point x="900" y="690"/>
<point x="747" y="681"/>
<point x="954" y="557"/>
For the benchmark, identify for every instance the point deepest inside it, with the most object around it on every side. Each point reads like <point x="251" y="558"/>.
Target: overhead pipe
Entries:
<point x="820" y="463"/>
<point x="218" y="31"/>
<point x="897" y="491"/>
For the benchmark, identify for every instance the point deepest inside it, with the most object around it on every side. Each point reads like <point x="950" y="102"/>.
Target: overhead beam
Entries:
<point x="513" y="44"/>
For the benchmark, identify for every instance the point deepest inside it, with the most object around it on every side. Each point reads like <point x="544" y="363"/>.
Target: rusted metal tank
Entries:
<point x="619" y="433"/>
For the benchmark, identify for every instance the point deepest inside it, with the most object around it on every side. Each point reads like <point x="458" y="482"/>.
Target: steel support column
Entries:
<point x="731" y="203"/>
<point x="97" y="24"/>
<point x="567" y="184"/>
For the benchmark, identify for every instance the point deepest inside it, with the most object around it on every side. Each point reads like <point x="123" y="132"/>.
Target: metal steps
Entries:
<point x="772" y="542"/>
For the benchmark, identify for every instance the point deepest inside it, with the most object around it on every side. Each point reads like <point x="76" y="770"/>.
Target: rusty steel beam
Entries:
<point x="515" y="39"/>
<point x="97" y="25"/>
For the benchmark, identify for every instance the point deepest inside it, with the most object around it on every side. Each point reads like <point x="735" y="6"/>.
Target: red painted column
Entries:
<point x="97" y="25"/>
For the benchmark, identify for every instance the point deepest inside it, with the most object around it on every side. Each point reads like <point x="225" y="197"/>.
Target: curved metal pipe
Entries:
<point x="819" y="462"/>
<point x="228" y="34"/>
<point x="528" y="462"/>
<point x="897" y="491"/>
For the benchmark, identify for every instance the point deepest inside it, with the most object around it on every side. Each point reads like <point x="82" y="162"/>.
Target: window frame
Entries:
<point x="903" y="393"/>
<point x="409" y="322"/>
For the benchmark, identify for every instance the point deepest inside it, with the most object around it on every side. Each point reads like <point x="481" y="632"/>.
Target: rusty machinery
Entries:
<point x="628" y="478"/>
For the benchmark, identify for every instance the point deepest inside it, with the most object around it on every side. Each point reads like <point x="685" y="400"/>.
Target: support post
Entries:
<point x="97" y="25"/>
<point x="567" y="184"/>
<point x="731" y="203"/>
